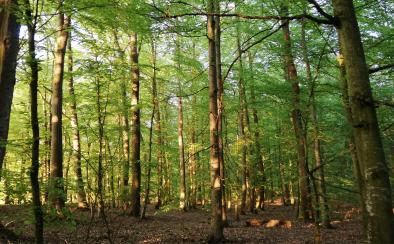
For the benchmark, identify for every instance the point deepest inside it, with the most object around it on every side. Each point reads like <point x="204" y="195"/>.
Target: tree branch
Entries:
<point x="380" y="68"/>
<point x="247" y="48"/>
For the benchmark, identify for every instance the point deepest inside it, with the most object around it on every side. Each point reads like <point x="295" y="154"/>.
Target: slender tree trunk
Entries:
<point x="193" y="159"/>
<point x="135" y="129"/>
<point x="181" y="147"/>
<point x="292" y="77"/>
<point x="125" y="129"/>
<point x="76" y="144"/>
<point x="244" y="126"/>
<point x="157" y="123"/>
<point x="38" y="215"/>
<point x="257" y="149"/>
<point x="220" y="109"/>
<point x="216" y="229"/>
<point x="322" y="204"/>
<point x="100" y="170"/>
<point x="369" y="148"/>
<point x="56" y="193"/>
<point x="147" y="189"/>
<point x="9" y="47"/>
<point x="182" y="175"/>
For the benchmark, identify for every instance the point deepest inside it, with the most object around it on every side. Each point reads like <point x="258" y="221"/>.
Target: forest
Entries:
<point x="199" y="121"/>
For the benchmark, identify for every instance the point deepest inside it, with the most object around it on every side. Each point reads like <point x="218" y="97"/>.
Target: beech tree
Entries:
<point x="379" y="215"/>
<point x="9" y="47"/>
<point x="56" y="193"/>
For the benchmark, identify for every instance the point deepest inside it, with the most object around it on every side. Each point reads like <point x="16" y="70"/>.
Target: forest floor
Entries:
<point x="174" y="226"/>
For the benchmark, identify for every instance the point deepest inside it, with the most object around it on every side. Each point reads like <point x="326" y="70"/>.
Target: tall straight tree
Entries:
<point x="56" y="192"/>
<point x="157" y="124"/>
<point x="76" y="139"/>
<point x="216" y="230"/>
<point x="292" y="77"/>
<point x="125" y="127"/>
<point x="322" y="204"/>
<point x="182" y="173"/>
<point x="135" y="129"/>
<point x="35" y="149"/>
<point x="9" y="47"/>
<point x="220" y="109"/>
<point x="369" y="148"/>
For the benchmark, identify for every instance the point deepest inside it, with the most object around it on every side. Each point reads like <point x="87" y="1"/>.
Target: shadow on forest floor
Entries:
<point x="181" y="227"/>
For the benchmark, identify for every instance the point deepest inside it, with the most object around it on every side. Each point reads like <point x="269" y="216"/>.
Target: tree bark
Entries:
<point x="56" y="193"/>
<point x="181" y="147"/>
<point x="220" y="95"/>
<point x="76" y="141"/>
<point x="157" y="123"/>
<point x="244" y="123"/>
<point x="357" y="170"/>
<point x="35" y="149"/>
<point x="9" y="47"/>
<point x="322" y="203"/>
<point x="368" y="143"/>
<point x="292" y="78"/>
<point x="182" y="174"/>
<point x="216" y="228"/>
<point x="135" y="159"/>
<point x="257" y="148"/>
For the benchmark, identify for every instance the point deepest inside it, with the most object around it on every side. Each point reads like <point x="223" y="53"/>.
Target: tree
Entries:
<point x="9" y="47"/>
<point x="216" y="231"/>
<point x="56" y="194"/>
<point x="35" y="149"/>
<point x="76" y="144"/>
<point x="369" y="148"/>
<point x="292" y="77"/>
<point x="135" y="129"/>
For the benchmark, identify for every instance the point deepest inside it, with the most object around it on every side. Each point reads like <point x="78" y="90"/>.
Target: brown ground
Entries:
<point x="179" y="227"/>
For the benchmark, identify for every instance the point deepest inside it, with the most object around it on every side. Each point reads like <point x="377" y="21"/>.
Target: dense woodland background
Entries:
<point x="135" y="106"/>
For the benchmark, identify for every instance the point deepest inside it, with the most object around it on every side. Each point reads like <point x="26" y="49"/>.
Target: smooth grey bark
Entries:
<point x="56" y="190"/>
<point x="375" y="171"/>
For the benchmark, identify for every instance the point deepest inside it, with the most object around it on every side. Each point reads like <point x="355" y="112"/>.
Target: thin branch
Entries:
<point x="247" y="48"/>
<point x="322" y="12"/>
<point x="242" y="16"/>
<point x="380" y="68"/>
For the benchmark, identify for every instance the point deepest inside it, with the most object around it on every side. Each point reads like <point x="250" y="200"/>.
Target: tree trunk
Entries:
<point x="56" y="193"/>
<point x="147" y="188"/>
<point x="100" y="170"/>
<point x="257" y="148"/>
<point x="380" y="218"/>
<point x="216" y="229"/>
<point x="220" y="95"/>
<point x="157" y="123"/>
<point x="292" y="78"/>
<point x="181" y="147"/>
<point x="244" y="126"/>
<point x="9" y="47"/>
<point x="182" y="175"/>
<point x="35" y="149"/>
<point x="322" y="204"/>
<point x="76" y="144"/>
<point x="125" y="129"/>
<point x="357" y="170"/>
<point x="135" y="130"/>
